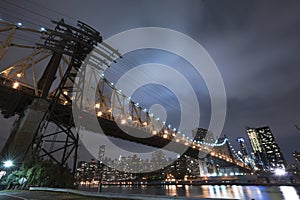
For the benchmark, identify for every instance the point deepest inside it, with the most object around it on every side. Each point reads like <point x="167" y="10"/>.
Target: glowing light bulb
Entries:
<point x="16" y="85"/>
<point x="99" y="114"/>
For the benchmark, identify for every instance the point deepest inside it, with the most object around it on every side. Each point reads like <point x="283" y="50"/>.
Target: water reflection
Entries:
<point x="249" y="192"/>
<point x="187" y="191"/>
<point x="211" y="191"/>
<point x="289" y="192"/>
<point x="171" y="190"/>
<point x="223" y="191"/>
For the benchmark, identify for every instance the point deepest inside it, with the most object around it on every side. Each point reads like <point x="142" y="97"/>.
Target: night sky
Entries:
<point x="255" y="45"/>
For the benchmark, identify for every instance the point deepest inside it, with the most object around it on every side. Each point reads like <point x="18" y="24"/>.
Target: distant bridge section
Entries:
<point x="40" y="99"/>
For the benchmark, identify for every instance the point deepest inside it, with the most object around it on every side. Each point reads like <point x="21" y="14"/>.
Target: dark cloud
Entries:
<point x="255" y="44"/>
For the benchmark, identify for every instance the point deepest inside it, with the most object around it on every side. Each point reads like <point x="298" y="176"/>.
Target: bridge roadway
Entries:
<point x="15" y="101"/>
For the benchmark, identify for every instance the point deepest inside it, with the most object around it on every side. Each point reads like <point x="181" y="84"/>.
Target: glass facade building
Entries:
<point x="266" y="150"/>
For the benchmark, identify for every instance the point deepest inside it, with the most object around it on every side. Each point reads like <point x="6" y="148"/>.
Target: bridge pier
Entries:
<point x="24" y="130"/>
<point x="202" y="167"/>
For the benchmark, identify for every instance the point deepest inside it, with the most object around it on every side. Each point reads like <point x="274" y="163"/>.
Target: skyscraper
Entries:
<point x="203" y="135"/>
<point x="248" y="158"/>
<point x="296" y="156"/>
<point x="243" y="146"/>
<point x="265" y="148"/>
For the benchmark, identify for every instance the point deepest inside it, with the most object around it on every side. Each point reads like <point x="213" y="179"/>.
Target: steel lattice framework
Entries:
<point x="64" y="49"/>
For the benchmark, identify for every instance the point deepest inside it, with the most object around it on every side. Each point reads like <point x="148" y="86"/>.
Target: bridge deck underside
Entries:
<point x="15" y="102"/>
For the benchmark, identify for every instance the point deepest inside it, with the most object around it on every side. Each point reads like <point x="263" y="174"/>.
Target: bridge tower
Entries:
<point x="45" y="128"/>
<point x="28" y="134"/>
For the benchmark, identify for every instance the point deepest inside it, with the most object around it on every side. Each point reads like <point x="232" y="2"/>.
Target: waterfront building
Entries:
<point x="101" y="152"/>
<point x="265" y="148"/>
<point x="296" y="156"/>
<point x="81" y="171"/>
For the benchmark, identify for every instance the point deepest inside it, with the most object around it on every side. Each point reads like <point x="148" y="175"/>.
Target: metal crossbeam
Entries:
<point x="69" y="46"/>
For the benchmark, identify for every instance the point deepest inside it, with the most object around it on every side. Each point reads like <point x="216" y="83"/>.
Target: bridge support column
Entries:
<point x="214" y="167"/>
<point x="24" y="130"/>
<point x="202" y="167"/>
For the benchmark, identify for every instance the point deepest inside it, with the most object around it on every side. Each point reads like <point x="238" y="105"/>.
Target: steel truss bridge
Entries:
<point x="42" y="86"/>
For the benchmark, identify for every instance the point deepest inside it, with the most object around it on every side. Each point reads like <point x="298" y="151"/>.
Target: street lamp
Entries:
<point x="8" y="163"/>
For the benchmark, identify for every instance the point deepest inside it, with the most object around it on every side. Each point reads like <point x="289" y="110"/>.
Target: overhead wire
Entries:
<point x="27" y="9"/>
<point x="16" y="13"/>
<point x="123" y="61"/>
<point x="21" y="37"/>
<point x="134" y="63"/>
<point x="150" y="92"/>
<point x="131" y="62"/>
<point x="36" y="3"/>
<point x="127" y="62"/>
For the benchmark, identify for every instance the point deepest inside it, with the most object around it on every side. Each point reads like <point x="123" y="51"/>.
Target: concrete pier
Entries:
<point x="23" y="131"/>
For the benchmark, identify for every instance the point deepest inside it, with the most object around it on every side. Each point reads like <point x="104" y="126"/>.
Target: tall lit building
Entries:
<point x="296" y="156"/>
<point x="101" y="152"/>
<point x="265" y="148"/>
<point x="247" y="158"/>
<point x="243" y="146"/>
<point x="203" y="135"/>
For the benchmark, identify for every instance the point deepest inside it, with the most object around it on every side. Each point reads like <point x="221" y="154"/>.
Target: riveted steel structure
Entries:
<point x="44" y="102"/>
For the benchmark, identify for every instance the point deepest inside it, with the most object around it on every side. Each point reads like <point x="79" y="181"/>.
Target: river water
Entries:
<point x="212" y="191"/>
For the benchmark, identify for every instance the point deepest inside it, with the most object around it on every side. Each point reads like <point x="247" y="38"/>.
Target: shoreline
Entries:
<point x="199" y="184"/>
<point x="192" y="183"/>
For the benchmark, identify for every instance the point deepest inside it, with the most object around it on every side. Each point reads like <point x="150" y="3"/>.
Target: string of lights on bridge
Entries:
<point x="194" y="143"/>
<point x="167" y="131"/>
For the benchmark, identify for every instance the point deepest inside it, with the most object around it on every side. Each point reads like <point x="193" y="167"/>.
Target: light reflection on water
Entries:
<point x="213" y="191"/>
<point x="289" y="192"/>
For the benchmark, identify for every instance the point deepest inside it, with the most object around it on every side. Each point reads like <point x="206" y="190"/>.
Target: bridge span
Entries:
<point x="49" y="97"/>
